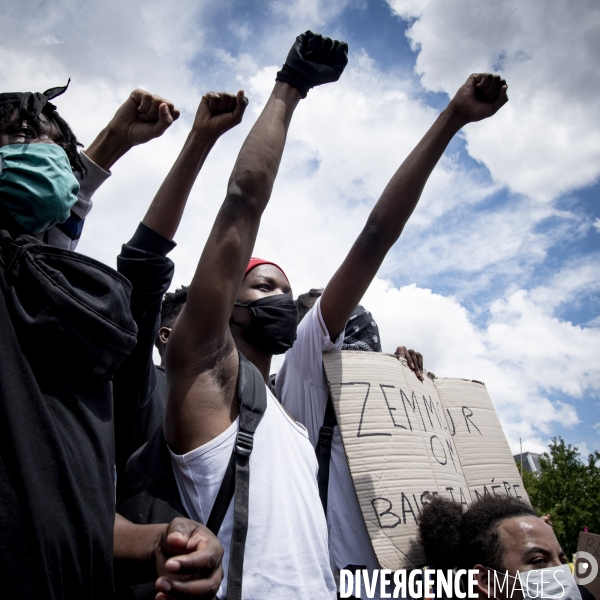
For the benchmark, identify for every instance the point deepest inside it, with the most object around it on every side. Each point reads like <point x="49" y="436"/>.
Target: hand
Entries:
<point x="219" y="112"/>
<point x="548" y="520"/>
<point x="142" y="117"/>
<point x="188" y="561"/>
<point x="480" y="97"/>
<point x="313" y="60"/>
<point x="414" y="360"/>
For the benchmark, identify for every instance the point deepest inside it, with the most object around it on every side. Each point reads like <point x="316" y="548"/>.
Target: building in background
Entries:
<point x="531" y="461"/>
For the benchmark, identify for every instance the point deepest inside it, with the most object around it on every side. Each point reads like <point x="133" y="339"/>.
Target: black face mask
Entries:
<point x="274" y="321"/>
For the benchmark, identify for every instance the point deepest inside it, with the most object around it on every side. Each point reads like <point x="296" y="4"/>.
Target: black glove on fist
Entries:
<point x="313" y="60"/>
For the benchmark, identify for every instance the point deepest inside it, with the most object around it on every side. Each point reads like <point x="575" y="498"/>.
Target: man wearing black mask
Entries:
<point x="238" y="313"/>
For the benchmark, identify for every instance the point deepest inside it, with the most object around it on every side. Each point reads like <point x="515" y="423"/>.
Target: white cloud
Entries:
<point x="584" y="450"/>
<point x="345" y="142"/>
<point x="546" y="140"/>
<point x="523" y="354"/>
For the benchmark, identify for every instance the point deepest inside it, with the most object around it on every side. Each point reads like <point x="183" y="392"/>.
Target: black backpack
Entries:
<point x="150" y="493"/>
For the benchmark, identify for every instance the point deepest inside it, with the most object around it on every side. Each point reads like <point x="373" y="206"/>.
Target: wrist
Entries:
<point x="107" y="148"/>
<point x="202" y="138"/>
<point x="287" y="92"/>
<point x="156" y="550"/>
<point x="455" y="116"/>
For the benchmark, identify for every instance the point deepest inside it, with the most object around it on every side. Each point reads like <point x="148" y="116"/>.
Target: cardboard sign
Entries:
<point x="587" y="563"/>
<point x="405" y="439"/>
<point x="487" y="461"/>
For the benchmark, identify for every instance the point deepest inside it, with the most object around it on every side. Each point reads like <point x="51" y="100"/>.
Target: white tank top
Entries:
<point x="286" y="552"/>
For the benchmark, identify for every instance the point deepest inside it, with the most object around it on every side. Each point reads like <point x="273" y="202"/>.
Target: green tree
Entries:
<point x="569" y="490"/>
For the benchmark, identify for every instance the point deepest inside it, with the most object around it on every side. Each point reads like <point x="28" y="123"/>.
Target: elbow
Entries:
<point x="241" y="203"/>
<point x="247" y="184"/>
<point x="378" y="235"/>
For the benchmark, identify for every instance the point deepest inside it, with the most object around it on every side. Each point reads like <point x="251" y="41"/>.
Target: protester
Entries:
<point x="66" y="327"/>
<point x="361" y="331"/>
<point x="140" y="387"/>
<point x="300" y="383"/>
<point x="274" y="533"/>
<point x="361" y="334"/>
<point x="29" y="118"/>
<point x="497" y="535"/>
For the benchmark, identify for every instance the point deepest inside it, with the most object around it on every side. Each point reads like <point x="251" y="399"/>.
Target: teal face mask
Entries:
<point x="37" y="185"/>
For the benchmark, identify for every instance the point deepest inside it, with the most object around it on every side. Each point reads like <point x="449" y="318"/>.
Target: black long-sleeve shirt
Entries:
<point x="140" y="392"/>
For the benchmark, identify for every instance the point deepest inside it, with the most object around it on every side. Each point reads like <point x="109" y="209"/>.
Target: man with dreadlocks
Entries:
<point x="66" y="328"/>
<point x="28" y="118"/>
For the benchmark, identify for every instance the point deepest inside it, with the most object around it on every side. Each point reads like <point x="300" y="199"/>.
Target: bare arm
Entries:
<point x="201" y="357"/>
<point x="480" y="97"/>
<point x="200" y="342"/>
<point x="216" y="114"/>
<point x="141" y="118"/>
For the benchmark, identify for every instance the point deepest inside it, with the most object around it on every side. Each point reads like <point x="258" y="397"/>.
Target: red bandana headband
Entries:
<point x="255" y="262"/>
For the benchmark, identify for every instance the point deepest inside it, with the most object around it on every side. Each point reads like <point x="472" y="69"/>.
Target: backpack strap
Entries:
<point x="323" y="451"/>
<point x="252" y="397"/>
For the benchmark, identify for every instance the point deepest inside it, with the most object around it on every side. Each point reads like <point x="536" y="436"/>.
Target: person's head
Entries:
<point x="264" y="318"/>
<point x="501" y="533"/>
<point x="38" y="156"/>
<point x="305" y="302"/>
<point x="172" y="304"/>
<point x="360" y="333"/>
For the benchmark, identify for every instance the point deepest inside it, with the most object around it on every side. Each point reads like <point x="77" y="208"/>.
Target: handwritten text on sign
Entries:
<point x="405" y="441"/>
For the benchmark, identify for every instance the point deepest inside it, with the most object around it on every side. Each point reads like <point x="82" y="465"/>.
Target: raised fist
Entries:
<point x="313" y="60"/>
<point x="480" y="97"/>
<point x="142" y="117"/>
<point x="219" y="112"/>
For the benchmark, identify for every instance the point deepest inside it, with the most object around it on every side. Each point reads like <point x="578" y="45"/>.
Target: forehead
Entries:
<point x="42" y="121"/>
<point x="270" y="272"/>
<point x="519" y="534"/>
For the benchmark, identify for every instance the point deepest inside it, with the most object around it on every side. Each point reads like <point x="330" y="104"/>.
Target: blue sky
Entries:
<point x="496" y="275"/>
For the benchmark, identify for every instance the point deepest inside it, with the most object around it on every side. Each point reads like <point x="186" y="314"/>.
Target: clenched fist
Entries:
<point x="480" y="97"/>
<point x="313" y="60"/>
<point x="142" y="117"/>
<point x="219" y="112"/>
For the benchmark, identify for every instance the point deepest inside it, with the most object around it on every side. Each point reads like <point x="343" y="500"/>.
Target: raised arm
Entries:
<point x="201" y="357"/>
<point x="139" y="407"/>
<point x="141" y="118"/>
<point x="480" y="97"/>
<point x="216" y="114"/>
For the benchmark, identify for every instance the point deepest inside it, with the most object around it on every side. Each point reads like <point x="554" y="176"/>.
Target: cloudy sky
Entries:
<point x="495" y="278"/>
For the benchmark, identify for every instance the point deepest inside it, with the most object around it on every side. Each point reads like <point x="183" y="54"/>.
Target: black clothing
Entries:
<point x="148" y="494"/>
<point x="32" y="104"/>
<point x="65" y="327"/>
<point x="140" y="387"/>
<point x="361" y="332"/>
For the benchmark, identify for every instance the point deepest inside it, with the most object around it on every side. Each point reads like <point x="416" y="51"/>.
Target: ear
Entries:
<point x="483" y="581"/>
<point x="163" y="335"/>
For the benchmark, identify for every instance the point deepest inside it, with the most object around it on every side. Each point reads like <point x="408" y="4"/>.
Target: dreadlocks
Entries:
<point x="69" y="145"/>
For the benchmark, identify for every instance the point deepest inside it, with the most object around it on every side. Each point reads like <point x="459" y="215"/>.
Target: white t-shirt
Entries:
<point x="286" y="547"/>
<point x="302" y="388"/>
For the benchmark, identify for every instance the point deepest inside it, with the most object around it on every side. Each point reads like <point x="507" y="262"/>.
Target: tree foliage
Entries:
<point x="569" y="490"/>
